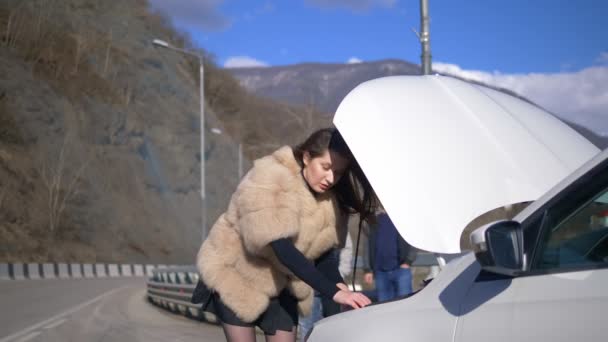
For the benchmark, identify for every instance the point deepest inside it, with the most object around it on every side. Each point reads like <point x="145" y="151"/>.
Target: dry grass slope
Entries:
<point x="99" y="151"/>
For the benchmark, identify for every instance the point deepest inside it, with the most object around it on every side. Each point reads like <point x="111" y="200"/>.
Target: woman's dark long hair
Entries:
<point x="353" y="191"/>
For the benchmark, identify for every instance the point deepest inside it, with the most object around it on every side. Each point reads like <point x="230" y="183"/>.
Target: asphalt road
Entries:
<point x="91" y="310"/>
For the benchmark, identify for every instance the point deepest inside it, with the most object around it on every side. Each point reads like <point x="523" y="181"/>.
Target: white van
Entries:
<point x="433" y="144"/>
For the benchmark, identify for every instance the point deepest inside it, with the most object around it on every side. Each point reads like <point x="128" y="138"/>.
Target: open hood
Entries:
<point x="440" y="152"/>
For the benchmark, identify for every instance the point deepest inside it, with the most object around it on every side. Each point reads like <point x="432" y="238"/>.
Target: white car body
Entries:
<point x="499" y="150"/>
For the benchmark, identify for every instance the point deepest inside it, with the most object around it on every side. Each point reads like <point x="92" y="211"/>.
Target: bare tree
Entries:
<point x="107" y="58"/>
<point x="14" y="27"/>
<point x="10" y="25"/>
<point x="3" y="192"/>
<point x="308" y="118"/>
<point x="128" y="92"/>
<point x="37" y="36"/>
<point x="80" y="39"/>
<point x="61" y="183"/>
<point x="294" y="116"/>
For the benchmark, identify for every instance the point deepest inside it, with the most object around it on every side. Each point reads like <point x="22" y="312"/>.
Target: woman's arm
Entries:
<point x="297" y="263"/>
<point x="289" y="256"/>
<point x="329" y="265"/>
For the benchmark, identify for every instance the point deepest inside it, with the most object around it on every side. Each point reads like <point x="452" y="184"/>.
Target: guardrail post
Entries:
<point x="138" y="270"/>
<point x="113" y="270"/>
<point x="125" y="270"/>
<point x="88" y="270"/>
<point x="192" y="277"/>
<point x="100" y="270"/>
<point x="4" y="272"/>
<point x="149" y="269"/>
<point x="63" y="271"/>
<point x="33" y="271"/>
<point x="48" y="271"/>
<point x="75" y="271"/>
<point x="18" y="271"/>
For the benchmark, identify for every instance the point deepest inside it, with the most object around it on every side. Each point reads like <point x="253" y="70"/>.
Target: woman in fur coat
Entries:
<point x="270" y="249"/>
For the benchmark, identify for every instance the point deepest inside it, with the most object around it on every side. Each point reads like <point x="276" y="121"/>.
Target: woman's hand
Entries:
<point x="353" y="299"/>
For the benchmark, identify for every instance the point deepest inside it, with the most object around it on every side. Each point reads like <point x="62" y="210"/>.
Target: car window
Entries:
<point x="576" y="233"/>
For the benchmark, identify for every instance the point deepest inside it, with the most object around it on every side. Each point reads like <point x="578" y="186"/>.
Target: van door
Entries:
<point x="564" y="295"/>
<point x="487" y="310"/>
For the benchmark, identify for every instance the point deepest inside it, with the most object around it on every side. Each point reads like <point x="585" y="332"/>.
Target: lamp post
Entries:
<point x="166" y="45"/>
<point x="239" y="169"/>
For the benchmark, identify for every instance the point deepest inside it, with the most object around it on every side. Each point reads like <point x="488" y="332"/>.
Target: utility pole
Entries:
<point x="425" y="37"/>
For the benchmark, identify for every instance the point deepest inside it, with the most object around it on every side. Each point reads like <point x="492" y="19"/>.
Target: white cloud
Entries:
<point x="243" y="62"/>
<point x="354" y="60"/>
<point x="580" y="97"/>
<point x="356" y="5"/>
<point x="603" y="58"/>
<point x="266" y="8"/>
<point x="204" y="14"/>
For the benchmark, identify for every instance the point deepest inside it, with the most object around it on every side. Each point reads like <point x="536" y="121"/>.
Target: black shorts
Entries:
<point x="281" y="314"/>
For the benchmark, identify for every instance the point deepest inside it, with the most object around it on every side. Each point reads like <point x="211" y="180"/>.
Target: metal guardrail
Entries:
<point x="35" y="271"/>
<point x="171" y="288"/>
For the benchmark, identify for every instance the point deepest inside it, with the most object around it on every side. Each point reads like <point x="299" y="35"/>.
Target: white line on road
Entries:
<point x="28" y="336"/>
<point x="53" y="325"/>
<point x="61" y="315"/>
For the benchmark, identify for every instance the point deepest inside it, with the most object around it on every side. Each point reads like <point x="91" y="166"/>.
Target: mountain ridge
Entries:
<point x="324" y="85"/>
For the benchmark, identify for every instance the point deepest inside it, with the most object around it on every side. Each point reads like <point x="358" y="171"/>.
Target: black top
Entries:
<point x="322" y="278"/>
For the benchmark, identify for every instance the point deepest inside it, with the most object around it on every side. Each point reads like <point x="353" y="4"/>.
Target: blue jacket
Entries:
<point x="406" y="253"/>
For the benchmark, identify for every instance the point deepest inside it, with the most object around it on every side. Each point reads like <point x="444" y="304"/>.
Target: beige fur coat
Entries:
<point x="272" y="201"/>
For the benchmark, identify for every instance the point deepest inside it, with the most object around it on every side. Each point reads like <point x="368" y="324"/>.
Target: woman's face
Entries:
<point x="322" y="172"/>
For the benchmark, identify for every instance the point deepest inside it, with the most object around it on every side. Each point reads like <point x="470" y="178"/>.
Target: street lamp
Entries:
<point x="239" y="153"/>
<point x="166" y="45"/>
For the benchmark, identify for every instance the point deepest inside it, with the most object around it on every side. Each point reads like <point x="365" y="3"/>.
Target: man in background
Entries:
<point x="390" y="257"/>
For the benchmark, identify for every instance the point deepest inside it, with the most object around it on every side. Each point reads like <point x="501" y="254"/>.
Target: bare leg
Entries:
<point x="235" y="333"/>
<point x="282" y="336"/>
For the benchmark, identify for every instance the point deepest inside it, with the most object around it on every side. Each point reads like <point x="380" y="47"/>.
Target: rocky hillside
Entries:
<point x="99" y="134"/>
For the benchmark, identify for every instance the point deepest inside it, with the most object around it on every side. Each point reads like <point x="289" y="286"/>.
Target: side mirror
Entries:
<point x="498" y="247"/>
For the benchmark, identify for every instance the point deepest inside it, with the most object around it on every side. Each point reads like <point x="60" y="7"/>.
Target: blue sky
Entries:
<point x="514" y="43"/>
